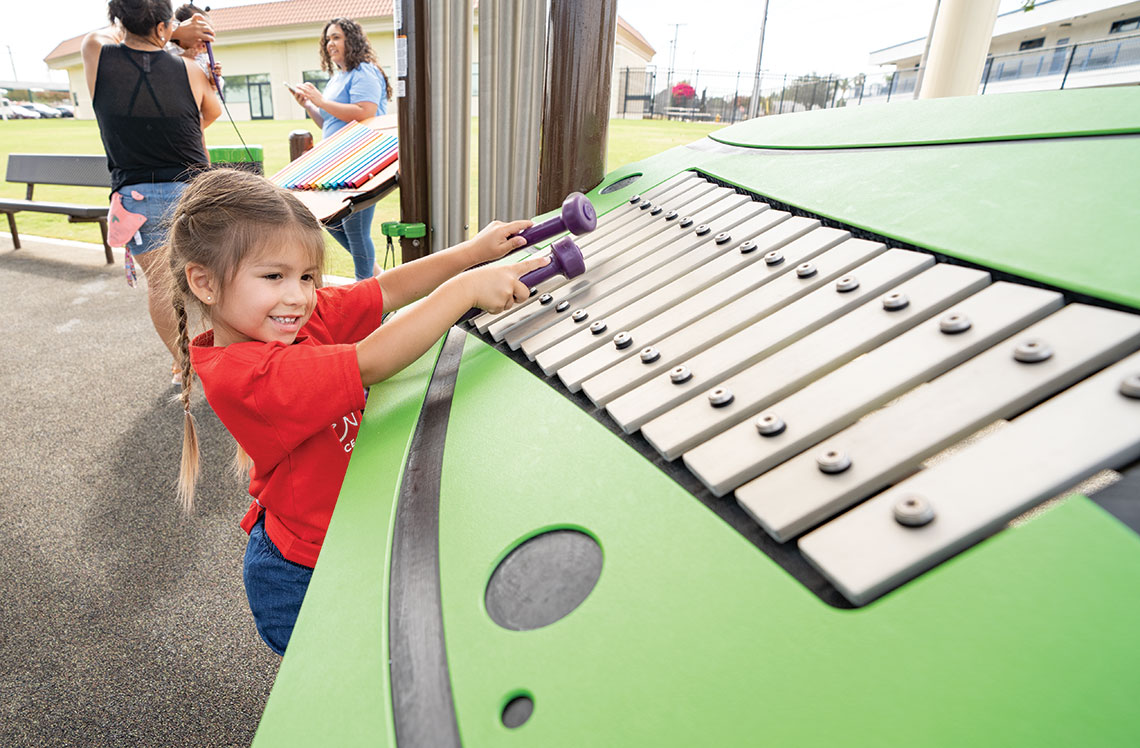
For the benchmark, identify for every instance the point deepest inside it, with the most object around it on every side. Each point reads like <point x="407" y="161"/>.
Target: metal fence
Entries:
<point x="702" y="95"/>
<point x="725" y="97"/>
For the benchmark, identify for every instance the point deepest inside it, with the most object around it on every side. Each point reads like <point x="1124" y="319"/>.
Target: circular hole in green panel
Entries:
<point x="518" y="710"/>
<point x="543" y="579"/>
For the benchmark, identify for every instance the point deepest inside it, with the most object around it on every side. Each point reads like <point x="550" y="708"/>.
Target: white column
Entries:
<point x="958" y="48"/>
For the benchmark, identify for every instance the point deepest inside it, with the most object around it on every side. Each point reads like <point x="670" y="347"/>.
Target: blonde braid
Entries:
<point x="188" y="475"/>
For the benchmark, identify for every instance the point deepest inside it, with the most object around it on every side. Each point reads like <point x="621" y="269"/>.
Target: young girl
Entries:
<point x="287" y="361"/>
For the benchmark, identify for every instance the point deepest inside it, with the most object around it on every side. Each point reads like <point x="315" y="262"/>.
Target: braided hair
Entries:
<point x="224" y="216"/>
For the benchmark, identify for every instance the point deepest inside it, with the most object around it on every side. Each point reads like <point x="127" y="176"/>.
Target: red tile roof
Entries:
<point x="288" y="13"/>
<point x="295" y="12"/>
<point x="266" y="15"/>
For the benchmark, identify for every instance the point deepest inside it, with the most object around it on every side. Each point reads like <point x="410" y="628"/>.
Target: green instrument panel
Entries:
<point x="692" y="634"/>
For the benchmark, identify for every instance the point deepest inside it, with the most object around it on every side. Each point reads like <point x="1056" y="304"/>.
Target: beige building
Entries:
<point x="261" y="47"/>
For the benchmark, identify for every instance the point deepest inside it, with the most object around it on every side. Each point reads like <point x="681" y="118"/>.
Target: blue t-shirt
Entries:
<point x="365" y="82"/>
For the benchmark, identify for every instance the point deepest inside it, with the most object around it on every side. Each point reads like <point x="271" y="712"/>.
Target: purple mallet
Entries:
<point x="565" y="259"/>
<point x="217" y="85"/>
<point x="578" y="217"/>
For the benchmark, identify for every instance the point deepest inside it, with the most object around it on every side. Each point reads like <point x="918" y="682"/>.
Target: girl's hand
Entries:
<point x="496" y="288"/>
<point x="311" y="93"/>
<point x="497" y="239"/>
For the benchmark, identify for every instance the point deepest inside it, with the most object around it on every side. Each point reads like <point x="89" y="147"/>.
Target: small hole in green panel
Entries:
<point x="518" y="711"/>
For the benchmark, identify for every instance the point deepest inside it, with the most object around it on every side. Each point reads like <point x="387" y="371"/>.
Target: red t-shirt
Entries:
<point x="295" y="410"/>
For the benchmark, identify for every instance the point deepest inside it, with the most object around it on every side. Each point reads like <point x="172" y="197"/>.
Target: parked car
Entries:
<point x="47" y="112"/>
<point x="66" y="110"/>
<point x="14" y="111"/>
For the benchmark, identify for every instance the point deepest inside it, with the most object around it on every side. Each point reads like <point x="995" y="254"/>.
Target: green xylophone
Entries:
<point x="834" y="442"/>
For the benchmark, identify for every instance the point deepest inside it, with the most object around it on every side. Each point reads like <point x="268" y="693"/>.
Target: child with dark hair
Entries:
<point x="286" y="361"/>
<point x="196" y="51"/>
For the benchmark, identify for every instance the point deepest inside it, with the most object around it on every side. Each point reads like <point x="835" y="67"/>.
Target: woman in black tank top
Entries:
<point x="151" y="107"/>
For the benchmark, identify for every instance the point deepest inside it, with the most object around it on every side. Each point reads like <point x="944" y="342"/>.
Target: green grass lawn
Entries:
<point x="629" y="140"/>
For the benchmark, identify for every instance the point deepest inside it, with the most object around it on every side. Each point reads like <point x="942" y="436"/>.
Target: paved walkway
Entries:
<point x="122" y="623"/>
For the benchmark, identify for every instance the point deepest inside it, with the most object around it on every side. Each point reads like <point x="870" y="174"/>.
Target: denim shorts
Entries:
<point x="158" y="200"/>
<point x="275" y="588"/>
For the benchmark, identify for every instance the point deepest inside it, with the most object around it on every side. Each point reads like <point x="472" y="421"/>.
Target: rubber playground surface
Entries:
<point x="123" y="622"/>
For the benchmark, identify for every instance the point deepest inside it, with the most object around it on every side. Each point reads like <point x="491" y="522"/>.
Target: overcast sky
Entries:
<point x="803" y="36"/>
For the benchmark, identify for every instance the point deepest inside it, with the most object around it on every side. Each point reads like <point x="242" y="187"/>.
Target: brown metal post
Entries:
<point x="299" y="142"/>
<point x="412" y="92"/>
<point x="576" y="111"/>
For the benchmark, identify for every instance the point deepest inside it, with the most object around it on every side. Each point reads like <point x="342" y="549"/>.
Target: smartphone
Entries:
<point x="290" y="86"/>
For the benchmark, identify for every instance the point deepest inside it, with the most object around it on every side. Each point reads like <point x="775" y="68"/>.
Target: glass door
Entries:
<point x="260" y="100"/>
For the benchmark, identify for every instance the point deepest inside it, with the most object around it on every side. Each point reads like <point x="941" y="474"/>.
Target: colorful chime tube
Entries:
<point x="347" y="159"/>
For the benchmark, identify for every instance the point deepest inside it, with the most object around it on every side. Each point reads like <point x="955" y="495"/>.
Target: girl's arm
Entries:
<point x="405" y="283"/>
<point x="398" y="343"/>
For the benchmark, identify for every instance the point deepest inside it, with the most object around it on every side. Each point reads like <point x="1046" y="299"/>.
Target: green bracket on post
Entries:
<point x="404" y="230"/>
<point x="409" y="230"/>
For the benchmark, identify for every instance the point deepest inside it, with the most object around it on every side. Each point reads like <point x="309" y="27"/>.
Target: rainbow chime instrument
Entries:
<point x="345" y="160"/>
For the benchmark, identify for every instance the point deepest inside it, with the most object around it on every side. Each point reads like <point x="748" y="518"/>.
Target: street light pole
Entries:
<point x="926" y="49"/>
<point x="672" y="62"/>
<point x="754" y="103"/>
<point x="13" y="61"/>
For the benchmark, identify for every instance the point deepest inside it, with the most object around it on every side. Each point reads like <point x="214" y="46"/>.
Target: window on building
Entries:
<point x="317" y="77"/>
<point x="1037" y="43"/>
<point x="1128" y="24"/>
<point x="253" y="90"/>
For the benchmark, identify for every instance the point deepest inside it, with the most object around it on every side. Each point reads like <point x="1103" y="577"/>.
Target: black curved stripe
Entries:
<point x="422" y="705"/>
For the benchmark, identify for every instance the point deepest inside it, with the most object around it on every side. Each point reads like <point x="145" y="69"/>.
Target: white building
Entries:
<point x="261" y="46"/>
<point x="1055" y="44"/>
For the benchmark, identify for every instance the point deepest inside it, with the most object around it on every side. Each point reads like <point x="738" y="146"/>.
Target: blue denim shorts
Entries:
<point x="275" y="588"/>
<point x="158" y="200"/>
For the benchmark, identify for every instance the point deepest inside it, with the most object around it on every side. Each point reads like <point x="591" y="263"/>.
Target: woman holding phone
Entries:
<point x="357" y="90"/>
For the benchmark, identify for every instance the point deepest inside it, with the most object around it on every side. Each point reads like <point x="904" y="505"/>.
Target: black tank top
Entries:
<point x="148" y="118"/>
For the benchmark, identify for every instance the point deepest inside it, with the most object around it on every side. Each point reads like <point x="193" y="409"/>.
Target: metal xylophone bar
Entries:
<point x="635" y="236"/>
<point x="806" y="371"/>
<point x="610" y="226"/>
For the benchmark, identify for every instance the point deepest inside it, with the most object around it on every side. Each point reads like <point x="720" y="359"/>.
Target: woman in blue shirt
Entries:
<point x="357" y="90"/>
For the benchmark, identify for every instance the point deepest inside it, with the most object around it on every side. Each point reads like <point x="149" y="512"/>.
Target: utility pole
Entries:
<point x="672" y="62"/>
<point x="13" y="61"/>
<point x="926" y="49"/>
<point x="754" y="103"/>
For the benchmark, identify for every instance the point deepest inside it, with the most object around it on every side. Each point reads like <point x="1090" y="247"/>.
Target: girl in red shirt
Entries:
<point x="286" y="361"/>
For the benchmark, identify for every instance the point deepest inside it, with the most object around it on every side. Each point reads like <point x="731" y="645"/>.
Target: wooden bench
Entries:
<point x="72" y="170"/>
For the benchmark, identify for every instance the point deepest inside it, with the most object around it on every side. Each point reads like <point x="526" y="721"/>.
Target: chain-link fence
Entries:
<point x="701" y="95"/>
